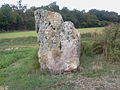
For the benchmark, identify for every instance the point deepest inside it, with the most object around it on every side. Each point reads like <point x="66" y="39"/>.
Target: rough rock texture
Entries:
<point x="59" y="42"/>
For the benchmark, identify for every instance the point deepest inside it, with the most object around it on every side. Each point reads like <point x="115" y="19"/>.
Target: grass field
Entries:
<point x="19" y="67"/>
<point x="97" y="28"/>
<point x="17" y="34"/>
<point x="33" y="33"/>
<point x="91" y="30"/>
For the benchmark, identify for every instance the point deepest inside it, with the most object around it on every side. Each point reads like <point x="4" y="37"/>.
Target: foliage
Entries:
<point x="86" y="48"/>
<point x="112" y="42"/>
<point x="18" y="17"/>
<point x="6" y="17"/>
<point x="105" y="15"/>
<point x="108" y="43"/>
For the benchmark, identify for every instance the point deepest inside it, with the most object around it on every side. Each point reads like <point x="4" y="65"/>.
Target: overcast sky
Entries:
<point x="110" y="5"/>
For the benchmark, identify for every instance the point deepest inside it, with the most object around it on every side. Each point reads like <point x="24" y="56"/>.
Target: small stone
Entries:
<point x="59" y="42"/>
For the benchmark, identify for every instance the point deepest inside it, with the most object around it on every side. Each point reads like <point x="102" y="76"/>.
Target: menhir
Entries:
<point x="59" y="42"/>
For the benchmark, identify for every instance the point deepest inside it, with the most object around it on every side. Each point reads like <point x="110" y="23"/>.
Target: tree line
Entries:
<point x="18" y="17"/>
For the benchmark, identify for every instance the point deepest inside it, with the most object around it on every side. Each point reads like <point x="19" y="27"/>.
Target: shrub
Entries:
<point x="87" y="48"/>
<point x="108" y="43"/>
<point x="87" y="44"/>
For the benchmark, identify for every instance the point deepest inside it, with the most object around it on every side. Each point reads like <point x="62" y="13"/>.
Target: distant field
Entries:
<point x="33" y="33"/>
<point x="17" y="34"/>
<point x="91" y="30"/>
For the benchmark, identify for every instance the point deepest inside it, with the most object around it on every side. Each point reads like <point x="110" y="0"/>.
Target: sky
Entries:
<point x="110" y="5"/>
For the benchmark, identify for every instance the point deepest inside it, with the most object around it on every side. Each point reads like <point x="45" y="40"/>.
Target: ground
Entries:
<point x="19" y="67"/>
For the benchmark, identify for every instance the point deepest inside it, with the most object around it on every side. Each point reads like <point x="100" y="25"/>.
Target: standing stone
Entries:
<point x="59" y="42"/>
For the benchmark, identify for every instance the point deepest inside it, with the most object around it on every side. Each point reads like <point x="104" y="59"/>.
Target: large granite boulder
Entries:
<point x="59" y="42"/>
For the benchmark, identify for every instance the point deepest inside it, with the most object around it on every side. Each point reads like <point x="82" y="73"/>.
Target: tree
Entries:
<point x="18" y="17"/>
<point x="105" y="15"/>
<point x="6" y="17"/>
<point x="29" y="19"/>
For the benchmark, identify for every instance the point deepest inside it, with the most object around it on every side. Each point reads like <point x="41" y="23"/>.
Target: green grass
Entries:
<point x="20" y="42"/>
<point x="94" y="67"/>
<point x="9" y="57"/>
<point x="97" y="28"/>
<point x="91" y="30"/>
<point x="20" y="71"/>
<point x="17" y="34"/>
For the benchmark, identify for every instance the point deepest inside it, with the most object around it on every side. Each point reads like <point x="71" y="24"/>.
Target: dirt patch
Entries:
<point x="100" y="83"/>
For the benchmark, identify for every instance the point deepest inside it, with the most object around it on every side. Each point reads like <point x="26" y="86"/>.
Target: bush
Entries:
<point x="108" y="43"/>
<point x="87" y="48"/>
